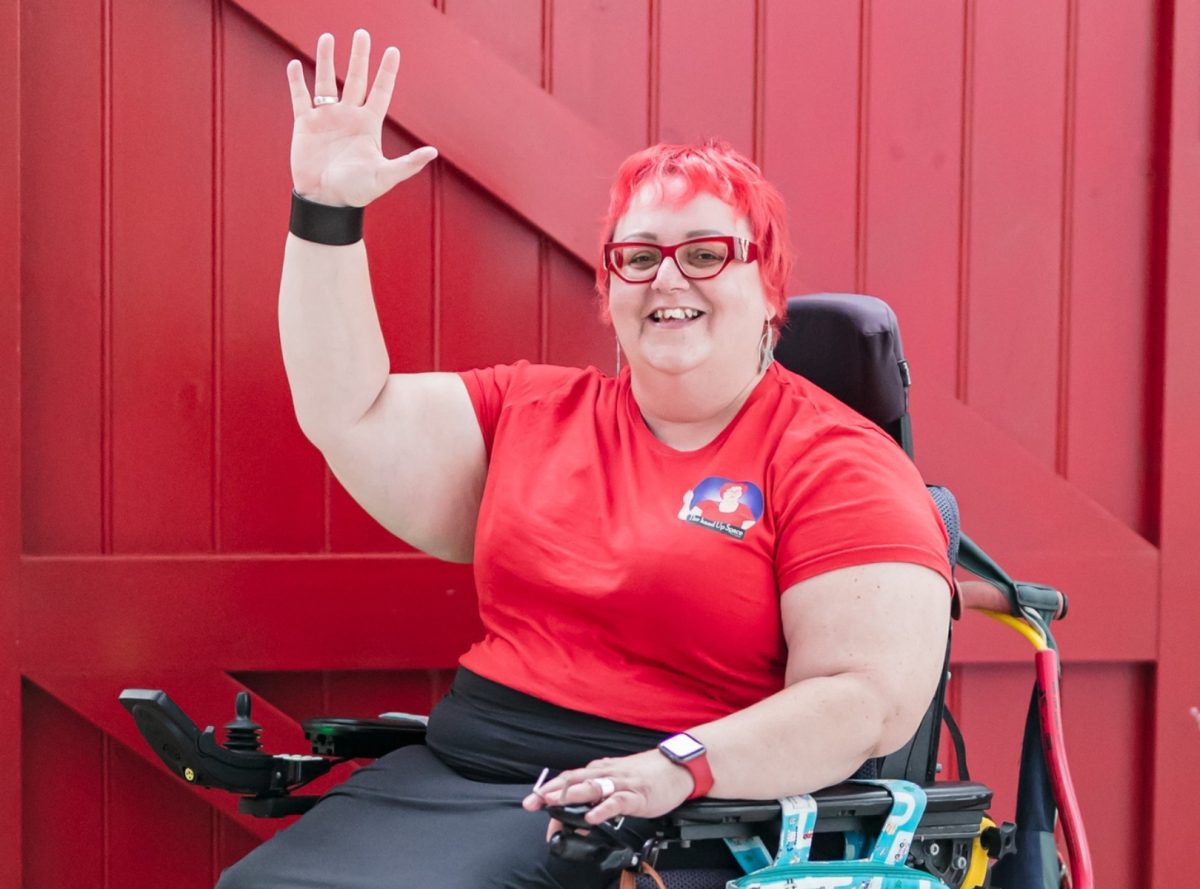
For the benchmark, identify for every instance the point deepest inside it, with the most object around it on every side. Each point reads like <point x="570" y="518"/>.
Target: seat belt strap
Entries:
<point x="799" y="819"/>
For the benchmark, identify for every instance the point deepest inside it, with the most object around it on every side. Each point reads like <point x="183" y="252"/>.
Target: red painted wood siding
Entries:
<point x="1017" y="179"/>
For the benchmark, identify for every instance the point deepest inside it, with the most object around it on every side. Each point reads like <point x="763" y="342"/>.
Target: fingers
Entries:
<point x="385" y="81"/>
<point x="613" y="806"/>
<point x="301" y="101"/>
<point x="643" y="785"/>
<point x="607" y="800"/>
<point x="587" y="785"/>
<point x="606" y="795"/>
<point x="572" y="795"/>
<point x="355" y="87"/>
<point x="398" y="169"/>
<point x="325" y="83"/>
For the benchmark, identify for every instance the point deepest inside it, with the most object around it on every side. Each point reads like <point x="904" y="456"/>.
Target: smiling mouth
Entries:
<point x="658" y="316"/>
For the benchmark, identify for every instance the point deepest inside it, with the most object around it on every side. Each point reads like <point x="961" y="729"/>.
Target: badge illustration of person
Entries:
<point x="731" y="507"/>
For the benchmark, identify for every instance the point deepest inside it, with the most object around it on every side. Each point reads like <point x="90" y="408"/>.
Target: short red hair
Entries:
<point x="715" y="168"/>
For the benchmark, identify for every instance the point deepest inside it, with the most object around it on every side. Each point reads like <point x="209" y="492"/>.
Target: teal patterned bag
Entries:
<point x="882" y="867"/>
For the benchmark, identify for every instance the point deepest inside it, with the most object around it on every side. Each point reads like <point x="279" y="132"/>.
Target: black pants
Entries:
<point x="447" y="815"/>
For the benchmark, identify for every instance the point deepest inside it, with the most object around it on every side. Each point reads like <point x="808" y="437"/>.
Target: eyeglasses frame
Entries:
<point x="740" y="250"/>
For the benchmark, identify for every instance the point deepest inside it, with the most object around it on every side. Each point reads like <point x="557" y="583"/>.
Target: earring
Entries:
<point x="766" y="347"/>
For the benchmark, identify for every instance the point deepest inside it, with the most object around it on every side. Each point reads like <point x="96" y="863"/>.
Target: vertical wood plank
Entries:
<point x="1177" y="691"/>
<point x="367" y="693"/>
<point x="233" y="843"/>
<point x="706" y="72"/>
<point x="298" y="693"/>
<point x="1107" y="407"/>
<point x="601" y="65"/>
<point x="60" y="263"/>
<point x="992" y="701"/>
<point x="62" y="797"/>
<point x="810" y="133"/>
<point x="11" y="716"/>
<point x="159" y="833"/>
<point x="576" y="333"/>
<point x="515" y="30"/>
<point x="271" y="480"/>
<point x="489" y="277"/>
<point x="512" y="29"/>
<point x="442" y="680"/>
<point x="162" y="277"/>
<point x="913" y="147"/>
<point x="400" y="238"/>
<point x="1016" y="213"/>
<point x="1106" y="709"/>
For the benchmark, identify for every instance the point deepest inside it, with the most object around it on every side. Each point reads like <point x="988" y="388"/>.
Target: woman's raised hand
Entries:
<point x="337" y="150"/>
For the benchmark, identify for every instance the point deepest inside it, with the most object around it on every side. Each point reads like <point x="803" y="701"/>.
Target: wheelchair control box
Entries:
<point x="239" y="766"/>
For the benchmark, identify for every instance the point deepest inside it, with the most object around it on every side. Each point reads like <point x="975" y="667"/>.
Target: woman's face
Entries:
<point x="725" y="335"/>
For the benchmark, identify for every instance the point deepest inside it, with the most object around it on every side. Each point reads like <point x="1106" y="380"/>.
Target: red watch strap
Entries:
<point x="701" y="774"/>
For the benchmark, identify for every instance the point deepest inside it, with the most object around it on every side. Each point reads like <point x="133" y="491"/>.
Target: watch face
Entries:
<point x="681" y="747"/>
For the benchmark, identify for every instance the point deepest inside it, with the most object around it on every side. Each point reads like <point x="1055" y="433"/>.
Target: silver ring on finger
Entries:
<point x="605" y="785"/>
<point x="325" y="100"/>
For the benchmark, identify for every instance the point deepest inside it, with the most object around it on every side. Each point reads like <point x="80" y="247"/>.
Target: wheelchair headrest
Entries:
<point x="849" y="345"/>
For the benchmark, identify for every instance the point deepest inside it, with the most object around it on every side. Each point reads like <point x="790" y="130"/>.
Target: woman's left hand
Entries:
<point x="644" y="785"/>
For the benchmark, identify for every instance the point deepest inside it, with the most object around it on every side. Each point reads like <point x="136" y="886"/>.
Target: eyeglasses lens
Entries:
<point x="698" y="259"/>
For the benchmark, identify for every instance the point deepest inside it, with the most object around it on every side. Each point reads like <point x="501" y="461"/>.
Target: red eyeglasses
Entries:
<point x="636" y="262"/>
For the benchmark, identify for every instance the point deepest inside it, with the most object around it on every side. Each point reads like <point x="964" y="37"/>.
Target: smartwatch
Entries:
<point x="686" y="751"/>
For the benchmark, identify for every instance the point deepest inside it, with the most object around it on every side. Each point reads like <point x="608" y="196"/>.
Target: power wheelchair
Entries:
<point x="850" y="346"/>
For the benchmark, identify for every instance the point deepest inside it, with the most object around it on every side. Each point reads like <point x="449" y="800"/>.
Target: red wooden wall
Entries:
<point x="1020" y="179"/>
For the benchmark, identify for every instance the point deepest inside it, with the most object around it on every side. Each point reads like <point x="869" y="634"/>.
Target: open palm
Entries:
<point x="337" y="150"/>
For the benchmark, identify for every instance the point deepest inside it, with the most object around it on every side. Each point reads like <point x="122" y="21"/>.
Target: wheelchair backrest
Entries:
<point x="849" y="345"/>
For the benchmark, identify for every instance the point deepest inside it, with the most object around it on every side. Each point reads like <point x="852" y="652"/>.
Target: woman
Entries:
<point x="649" y="659"/>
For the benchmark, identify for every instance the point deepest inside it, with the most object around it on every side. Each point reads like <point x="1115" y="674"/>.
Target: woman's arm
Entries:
<point x="866" y="647"/>
<point x="406" y="446"/>
<point x="865" y="650"/>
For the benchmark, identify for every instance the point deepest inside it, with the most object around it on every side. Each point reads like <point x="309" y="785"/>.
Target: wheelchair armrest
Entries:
<point x="951" y="806"/>
<point x="363" y="738"/>
<point x="952" y="821"/>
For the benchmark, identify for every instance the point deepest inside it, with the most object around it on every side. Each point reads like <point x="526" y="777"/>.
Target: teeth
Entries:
<point x="676" y="314"/>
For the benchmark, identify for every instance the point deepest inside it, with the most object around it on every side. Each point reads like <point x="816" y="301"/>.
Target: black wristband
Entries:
<point x="323" y="224"/>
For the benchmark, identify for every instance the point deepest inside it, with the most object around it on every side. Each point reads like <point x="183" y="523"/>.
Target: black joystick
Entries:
<point x="242" y="733"/>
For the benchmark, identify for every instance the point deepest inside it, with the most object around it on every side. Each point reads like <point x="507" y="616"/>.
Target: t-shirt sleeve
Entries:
<point x="487" y="388"/>
<point x="492" y="388"/>
<point x="853" y="497"/>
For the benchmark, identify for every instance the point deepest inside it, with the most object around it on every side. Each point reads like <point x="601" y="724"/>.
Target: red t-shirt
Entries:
<point x="603" y="589"/>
